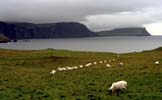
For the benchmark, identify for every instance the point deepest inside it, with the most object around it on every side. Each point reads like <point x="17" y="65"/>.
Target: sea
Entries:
<point x="99" y="44"/>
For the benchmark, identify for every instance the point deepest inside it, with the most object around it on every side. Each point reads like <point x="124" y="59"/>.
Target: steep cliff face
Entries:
<point x="52" y="30"/>
<point x="4" y="39"/>
<point x="125" y="32"/>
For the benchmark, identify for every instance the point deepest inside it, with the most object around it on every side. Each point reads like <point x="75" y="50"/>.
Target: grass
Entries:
<point x="24" y="75"/>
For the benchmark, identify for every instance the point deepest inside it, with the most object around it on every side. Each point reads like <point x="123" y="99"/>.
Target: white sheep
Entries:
<point x="100" y="62"/>
<point x="53" y="72"/>
<point x="62" y="69"/>
<point x="81" y="66"/>
<point x="109" y="60"/>
<point x="113" y="60"/>
<point x="75" y="67"/>
<point x="89" y="64"/>
<point x="157" y="62"/>
<point x="105" y="61"/>
<point x="59" y="69"/>
<point x="116" y="87"/>
<point x="108" y="65"/>
<point x="94" y="63"/>
<point x="121" y="63"/>
<point x="69" y="68"/>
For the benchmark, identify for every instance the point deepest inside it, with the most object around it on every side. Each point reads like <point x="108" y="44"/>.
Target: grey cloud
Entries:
<point x="124" y="19"/>
<point x="46" y="11"/>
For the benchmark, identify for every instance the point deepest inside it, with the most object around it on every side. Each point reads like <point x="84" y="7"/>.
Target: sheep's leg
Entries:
<point x="118" y="92"/>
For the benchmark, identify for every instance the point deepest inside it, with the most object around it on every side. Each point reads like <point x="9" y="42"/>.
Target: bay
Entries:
<point x="99" y="44"/>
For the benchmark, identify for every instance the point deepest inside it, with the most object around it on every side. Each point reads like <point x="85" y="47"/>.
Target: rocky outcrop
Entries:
<point x="4" y="39"/>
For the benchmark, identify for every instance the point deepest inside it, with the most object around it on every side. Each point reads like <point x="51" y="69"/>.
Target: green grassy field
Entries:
<point x="25" y="75"/>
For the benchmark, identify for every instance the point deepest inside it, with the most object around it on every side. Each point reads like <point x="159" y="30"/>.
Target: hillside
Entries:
<point x="26" y="75"/>
<point x="134" y="31"/>
<point x="51" y="30"/>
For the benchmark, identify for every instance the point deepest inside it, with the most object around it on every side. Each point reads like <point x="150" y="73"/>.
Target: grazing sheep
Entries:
<point x="105" y="61"/>
<point x="94" y="63"/>
<point x="69" y="68"/>
<point x="157" y="62"/>
<point x="62" y="69"/>
<point x="59" y="69"/>
<point x="113" y="60"/>
<point x="75" y="67"/>
<point x="81" y="66"/>
<point x="109" y="60"/>
<point x="118" y="56"/>
<point x="116" y="87"/>
<point x="100" y="62"/>
<point x="121" y="64"/>
<point x="108" y="65"/>
<point x="89" y="64"/>
<point x="53" y="72"/>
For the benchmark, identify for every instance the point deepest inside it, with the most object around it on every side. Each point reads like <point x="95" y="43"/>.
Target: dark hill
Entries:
<point x="135" y="31"/>
<point x="52" y="30"/>
<point x="61" y="30"/>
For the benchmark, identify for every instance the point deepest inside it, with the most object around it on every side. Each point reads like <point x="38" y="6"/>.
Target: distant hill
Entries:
<point x="134" y="31"/>
<point x="61" y="30"/>
<point x="4" y="39"/>
<point x="51" y="30"/>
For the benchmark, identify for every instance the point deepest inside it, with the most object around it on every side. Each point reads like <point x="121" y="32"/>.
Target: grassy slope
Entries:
<point x="25" y="75"/>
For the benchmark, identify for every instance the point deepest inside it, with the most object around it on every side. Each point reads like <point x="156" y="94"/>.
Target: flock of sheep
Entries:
<point x="59" y="69"/>
<point x="115" y="87"/>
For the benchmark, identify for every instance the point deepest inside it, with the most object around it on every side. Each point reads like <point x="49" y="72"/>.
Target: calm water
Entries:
<point x="101" y="44"/>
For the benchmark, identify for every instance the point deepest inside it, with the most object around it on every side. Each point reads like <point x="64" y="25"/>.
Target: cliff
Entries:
<point x="51" y="30"/>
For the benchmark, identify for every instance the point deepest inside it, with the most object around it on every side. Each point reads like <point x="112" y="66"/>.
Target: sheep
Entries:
<point x="81" y="66"/>
<point x="100" y="62"/>
<point x="116" y="87"/>
<point x="157" y="62"/>
<point x="113" y="60"/>
<point x="62" y="69"/>
<point x="108" y="65"/>
<point x="121" y="64"/>
<point x="75" y="67"/>
<point x="94" y="63"/>
<point x="118" y="56"/>
<point x="59" y="69"/>
<point x="69" y="68"/>
<point x="53" y="72"/>
<point x="105" y="61"/>
<point x="89" y="64"/>
<point x="109" y="60"/>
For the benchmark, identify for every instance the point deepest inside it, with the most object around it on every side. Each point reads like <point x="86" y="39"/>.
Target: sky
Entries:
<point x="96" y="14"/>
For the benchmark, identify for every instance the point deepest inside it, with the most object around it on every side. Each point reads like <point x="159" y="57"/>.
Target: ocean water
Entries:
<point x="100" y="44"/>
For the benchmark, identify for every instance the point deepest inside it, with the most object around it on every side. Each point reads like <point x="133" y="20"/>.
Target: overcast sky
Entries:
<point x="96" y="14"/>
